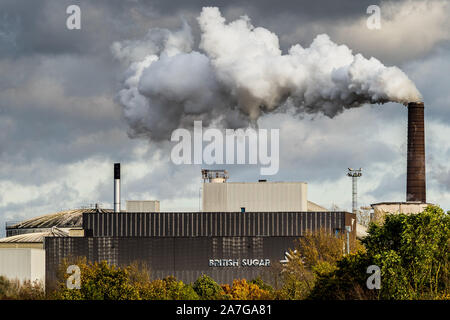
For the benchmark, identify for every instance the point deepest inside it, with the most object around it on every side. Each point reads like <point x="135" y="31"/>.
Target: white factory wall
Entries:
<point x="23" y="264"/>
<point x="143" y="206"/>
<point x="380" y="210"/>
<point x="254" y="196"/>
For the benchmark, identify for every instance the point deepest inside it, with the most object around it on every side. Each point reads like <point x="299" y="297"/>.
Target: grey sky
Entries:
<point x="62" y="128"/>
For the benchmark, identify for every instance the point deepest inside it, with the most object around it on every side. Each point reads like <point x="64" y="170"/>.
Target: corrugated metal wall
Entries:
<point x="184" y="258"/>
<point x="203" y="224"/>
<point x="181" y="243"/>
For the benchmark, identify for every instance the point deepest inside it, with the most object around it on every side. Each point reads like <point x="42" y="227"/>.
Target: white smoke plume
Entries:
<point x="239" y="72"/>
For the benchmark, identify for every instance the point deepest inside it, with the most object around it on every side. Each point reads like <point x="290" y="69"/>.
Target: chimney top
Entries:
<point x="116" y="170"/>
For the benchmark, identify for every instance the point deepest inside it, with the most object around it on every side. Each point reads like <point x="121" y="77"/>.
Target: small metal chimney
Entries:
<point x="415" y="180"/>
<point x="116" y="187"/>
<point x="354" y="174"/>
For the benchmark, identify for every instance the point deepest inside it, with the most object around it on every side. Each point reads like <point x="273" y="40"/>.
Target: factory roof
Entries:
<point x="36" y="237"/>
<point x="62" y="219"/>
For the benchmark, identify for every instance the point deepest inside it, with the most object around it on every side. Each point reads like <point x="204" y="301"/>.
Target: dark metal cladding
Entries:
<point x="186" y="258"/>
<point x="183" y="243"/>
<point x="416" y="182"/>
<point x="116" y="170"/>
<point x="212" y="224"/>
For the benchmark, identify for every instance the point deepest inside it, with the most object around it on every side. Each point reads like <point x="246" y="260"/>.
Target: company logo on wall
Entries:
<point x="239" y="263"/>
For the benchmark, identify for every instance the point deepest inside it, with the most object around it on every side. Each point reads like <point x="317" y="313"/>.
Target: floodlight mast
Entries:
<point x="354" y="174"/>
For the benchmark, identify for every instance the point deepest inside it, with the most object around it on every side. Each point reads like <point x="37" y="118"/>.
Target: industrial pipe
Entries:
<point x="416" y="182"/>
<point x="116" y="187"/>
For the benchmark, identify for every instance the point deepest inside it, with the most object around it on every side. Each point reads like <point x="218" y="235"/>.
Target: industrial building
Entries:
<point x="232" y="227"/>
<point x="33" y="240"/>
<point x="242" y="229"/>
<point x="243" y="223"/>
<point x="219" y="195"/>
<point x="188" y="244"/>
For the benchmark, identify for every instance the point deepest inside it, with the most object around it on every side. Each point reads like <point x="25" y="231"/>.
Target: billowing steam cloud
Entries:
<point x="239" y="72"/>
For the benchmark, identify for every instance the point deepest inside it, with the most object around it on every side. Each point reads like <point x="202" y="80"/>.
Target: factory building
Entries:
<point x="32" y="240"/>
<point x="223" y="245"/>
<point x="219" y="195"/>
<point x="242" y="230"/>
<point x="142" y="206"/>
<point x="254" y="197"/>
<point x="64" y="220"/>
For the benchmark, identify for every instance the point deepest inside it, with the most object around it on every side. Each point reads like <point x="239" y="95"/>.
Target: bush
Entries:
<point x="412" y="252"/>
<point x="262" y="285"/>
<point x="314" y="255"/>
<point x="16" y="290"/>
<point x="208" y="289"/>
<point x="346" y="281"/>
<point x="100" y="281"/>
<point x="243" y="290"/>
<point x="167" y="289"/>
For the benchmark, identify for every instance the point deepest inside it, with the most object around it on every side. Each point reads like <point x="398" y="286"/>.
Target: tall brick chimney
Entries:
<point x="415" y="184"/>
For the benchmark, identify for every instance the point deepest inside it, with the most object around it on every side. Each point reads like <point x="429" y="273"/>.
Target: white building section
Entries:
<point x="142" y="206"/>
<point x="23" y="264"/>
<point x="254" y="196"/>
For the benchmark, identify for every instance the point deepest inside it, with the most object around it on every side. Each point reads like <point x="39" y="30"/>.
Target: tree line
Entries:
<point x="411" y="253"/>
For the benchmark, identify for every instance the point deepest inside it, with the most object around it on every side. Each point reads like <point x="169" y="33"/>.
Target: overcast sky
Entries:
<point x="62" y="127"/>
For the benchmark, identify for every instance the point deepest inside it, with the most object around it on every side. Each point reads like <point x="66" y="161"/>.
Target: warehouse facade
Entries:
<point x="223" y="245"/>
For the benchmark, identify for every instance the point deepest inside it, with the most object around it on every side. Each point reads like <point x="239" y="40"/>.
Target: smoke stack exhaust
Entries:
<point x="415" y="184"/>
<point x="116" y="187"/>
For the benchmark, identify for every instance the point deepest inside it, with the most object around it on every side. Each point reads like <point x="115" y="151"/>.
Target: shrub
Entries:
<point x="167" y="289"/>
<point x="208" y="289"/>
<point x="314" y="255"/>
<point x="412" y="252"/>
<point x="99" y="281"/>
<point x="177" y="290"/>
<point x="243" y="290"/>
<point x="16" y="290"/>
<point x="262" y="285"/>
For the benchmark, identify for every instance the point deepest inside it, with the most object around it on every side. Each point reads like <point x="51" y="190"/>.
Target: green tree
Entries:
<point x="412" y="252"/>
<point x="346" y="281"/>
<point x="208" y="289"/>
<point x="315" y="254"/>
<point x="167" y="289"/>
<point x="177" y="290"/>
<point x="99" y="281"/>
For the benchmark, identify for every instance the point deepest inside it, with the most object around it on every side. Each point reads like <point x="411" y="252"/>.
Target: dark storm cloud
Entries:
<point x="58" y="107"/>
<point x="29" y="27"/>
<point x="314" y="9"/>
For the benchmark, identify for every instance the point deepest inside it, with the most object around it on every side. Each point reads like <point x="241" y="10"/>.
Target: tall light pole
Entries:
<point x="355" y="174"/>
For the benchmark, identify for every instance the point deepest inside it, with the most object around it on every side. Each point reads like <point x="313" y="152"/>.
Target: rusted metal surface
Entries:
<point x="416" y="182"/>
